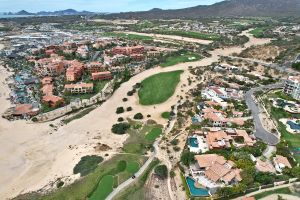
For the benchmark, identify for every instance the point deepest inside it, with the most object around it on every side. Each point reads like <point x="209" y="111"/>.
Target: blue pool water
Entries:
<point x="193" y="142"/>
<point x="199" y="192"/>
<point x="293" y="125"/>
<point x="282" y="103"/>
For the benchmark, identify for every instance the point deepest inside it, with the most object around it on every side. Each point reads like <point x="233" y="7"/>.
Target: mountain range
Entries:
<point x="54" y="13"/>
<point x="227" y="8"/>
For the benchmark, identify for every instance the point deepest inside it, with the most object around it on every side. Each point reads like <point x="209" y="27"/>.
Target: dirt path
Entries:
<point x="32" y="155"/>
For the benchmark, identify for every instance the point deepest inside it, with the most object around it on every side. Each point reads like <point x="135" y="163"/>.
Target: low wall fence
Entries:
<point x="75" y="106"/>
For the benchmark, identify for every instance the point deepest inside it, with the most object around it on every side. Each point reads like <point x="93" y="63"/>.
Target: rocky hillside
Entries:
<point x="272" y="8"/>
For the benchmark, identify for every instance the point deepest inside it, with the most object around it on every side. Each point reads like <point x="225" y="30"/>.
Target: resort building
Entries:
<point x="153" y="53"/>
<point x="74" y="70"/>
<point x="80" y="88"/>
<point x="137" y="57"/>
<point x="128" y="50"/>
<point x="292" y="87"/>
<point x="93" y="67"/>
<point x="101" y="76"/>
<point x="215" y="169"/>
<point x="281" y="162"/>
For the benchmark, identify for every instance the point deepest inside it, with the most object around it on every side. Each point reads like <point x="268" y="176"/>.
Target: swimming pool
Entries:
<point x="193" y="142"/>
<point x="197" y="192"/>
<point x="283" y="103"/>
<point x="293" y="125"/>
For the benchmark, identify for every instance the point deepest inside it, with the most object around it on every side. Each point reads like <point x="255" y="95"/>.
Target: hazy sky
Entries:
<point x="97" y="5"/>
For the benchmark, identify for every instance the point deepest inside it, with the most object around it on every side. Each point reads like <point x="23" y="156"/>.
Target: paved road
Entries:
<point x="260" y="131"/>
<point x="125" y="184"/>
<point x="265" y="190"/>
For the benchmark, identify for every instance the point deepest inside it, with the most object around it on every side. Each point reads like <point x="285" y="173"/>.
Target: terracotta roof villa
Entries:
<point x="264" y="166"/>
<point x="217" y="169"/>
<point x="218" y="139"/>
<point x="281" y="162"/>
<point x="53" y="101"/>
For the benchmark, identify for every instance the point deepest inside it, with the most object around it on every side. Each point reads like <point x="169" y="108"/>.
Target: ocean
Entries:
<point x="13" y="16"/>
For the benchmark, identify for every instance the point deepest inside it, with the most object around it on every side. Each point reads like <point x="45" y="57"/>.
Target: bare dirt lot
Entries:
<point x="264" y="52"/>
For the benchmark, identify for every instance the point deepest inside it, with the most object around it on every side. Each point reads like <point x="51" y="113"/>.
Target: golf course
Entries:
<point x="158" y="88"/>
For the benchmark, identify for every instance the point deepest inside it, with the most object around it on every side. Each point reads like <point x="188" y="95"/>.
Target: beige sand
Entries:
<point x="30" y="156"/>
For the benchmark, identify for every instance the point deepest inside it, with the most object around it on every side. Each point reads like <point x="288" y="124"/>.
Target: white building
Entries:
<point x="292" y="87"/>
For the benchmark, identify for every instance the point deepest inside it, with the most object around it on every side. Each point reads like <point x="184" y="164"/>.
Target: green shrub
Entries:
<point x="174" y="142"/>
<point x="120" y="119"/>
<point x="120" y="110"/>
<point x="120" y="128"/>
<point x="121" y="166"/>
<point x="87" y="164"/>
<point x="59" y="184"/>
<point x="161" y="171"/>
<point x="138" y="116"/>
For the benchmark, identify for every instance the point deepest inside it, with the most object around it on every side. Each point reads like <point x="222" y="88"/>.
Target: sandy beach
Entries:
<point x="32" y="155"/>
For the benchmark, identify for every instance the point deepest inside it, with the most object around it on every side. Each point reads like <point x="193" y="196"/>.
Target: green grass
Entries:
<point x="186" y="57"/>
<point x="122" y="164"/>
<point x="129" y="36"/>
<point x="137" y="142"/>
<point x="190" y="34"/>
<point x="165" y="115"/>
<point x="158" y="88"/>
<point x="258" y="32"/>
<point x="153" y="134"/>
<point x="282" y="95"/>
<point x="132" y="167"/>
<point x="78" y="115"/>
<point x="88" y="185"/>
<point x="104" y="188"/>
<point x="285" y="190"/>
<point x="137" y="189"/>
